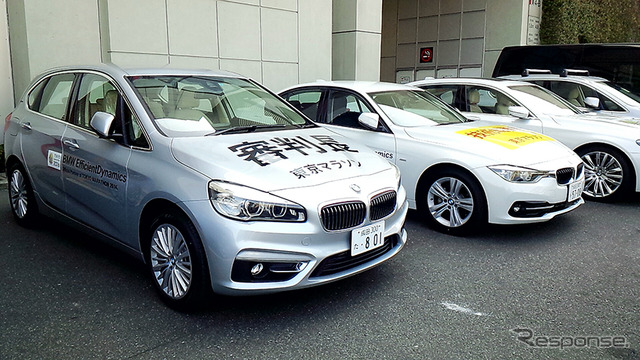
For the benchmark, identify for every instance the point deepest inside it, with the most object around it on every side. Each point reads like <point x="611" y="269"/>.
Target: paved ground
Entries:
<point x="66" y="296"/>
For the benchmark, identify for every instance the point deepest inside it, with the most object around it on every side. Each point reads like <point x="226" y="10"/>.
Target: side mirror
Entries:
<point x="592" y="102"/>
<point x="369" y="120"/>
<point x="519" y="111"/>
<point x="101" y="122"/>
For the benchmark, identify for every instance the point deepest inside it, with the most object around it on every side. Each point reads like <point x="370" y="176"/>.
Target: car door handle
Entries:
<point x="72" y="144"/>
<point x="26" y="125"/>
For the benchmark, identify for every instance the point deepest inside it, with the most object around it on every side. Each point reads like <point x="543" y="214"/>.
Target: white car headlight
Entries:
<point x="244" y="203"/>
<point x="519" y="174"/>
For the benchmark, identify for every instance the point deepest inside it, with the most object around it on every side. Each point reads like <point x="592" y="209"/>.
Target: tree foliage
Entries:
<point x="590" y="21"/>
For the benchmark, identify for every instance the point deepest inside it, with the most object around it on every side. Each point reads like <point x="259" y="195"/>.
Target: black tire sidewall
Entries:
<point x="479" y="214"/>
<point x="200" y="287"/>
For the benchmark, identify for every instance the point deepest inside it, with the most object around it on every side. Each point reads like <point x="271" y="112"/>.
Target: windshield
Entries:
<point x="542" y="100"/>
<point x="200" y="105"/>
<point x="415" y="108"/>
<point x="625" y="91"/>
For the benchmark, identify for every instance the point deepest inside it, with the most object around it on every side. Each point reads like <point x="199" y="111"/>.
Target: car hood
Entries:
<point x="497" y="144"/>
<point x="625" y="121"/>
<point x="278" y="160"/>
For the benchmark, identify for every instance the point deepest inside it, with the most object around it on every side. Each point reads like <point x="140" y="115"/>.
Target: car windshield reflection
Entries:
<point x="413" y="108"/>
<point x="196" y="106"/>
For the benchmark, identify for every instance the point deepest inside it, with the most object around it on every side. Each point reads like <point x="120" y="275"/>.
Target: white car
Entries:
<point x="589" y="93"/>
<point x="458" y="173"/>
<point x="609" y="146"/>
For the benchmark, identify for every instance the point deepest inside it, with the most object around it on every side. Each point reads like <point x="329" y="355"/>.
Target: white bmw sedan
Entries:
<point x="458" y="173"/>
<point x="215" y="182"/>
<point x="609" y="146"/>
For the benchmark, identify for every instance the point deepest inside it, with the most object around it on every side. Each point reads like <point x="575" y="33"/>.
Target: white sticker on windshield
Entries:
<point x="54" y="159"/>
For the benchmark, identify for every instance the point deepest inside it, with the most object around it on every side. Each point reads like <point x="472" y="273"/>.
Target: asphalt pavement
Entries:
<point x="565" y="289"/>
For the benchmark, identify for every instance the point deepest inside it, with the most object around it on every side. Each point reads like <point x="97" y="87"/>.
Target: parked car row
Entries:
<point x="609" y="146"/>
<point x="219" y="185"/>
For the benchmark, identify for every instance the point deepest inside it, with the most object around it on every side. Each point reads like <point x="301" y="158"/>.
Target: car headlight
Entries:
<point x="244" y="203"/>
<point x="519" y="174"/>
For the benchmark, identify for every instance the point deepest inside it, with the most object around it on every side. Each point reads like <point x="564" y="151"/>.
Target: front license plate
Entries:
<point x="367" y="238"/>
<point x="575" y="190"/>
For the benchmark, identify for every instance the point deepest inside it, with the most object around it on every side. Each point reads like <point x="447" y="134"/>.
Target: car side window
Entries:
<point x="344" y="108"/>
<point x="50" y="97"/>
<point x="446" y="93"/>
<point x="489" y="100"/>
<point x="605" y="102"/>
<point x="307" y="102"/>
<point x="97" y="93"/>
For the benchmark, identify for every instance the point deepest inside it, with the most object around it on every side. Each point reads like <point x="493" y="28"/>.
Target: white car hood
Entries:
<point x="623" y="122"/>
<point x="278" y="160"/>
<point x="498" y="144"/>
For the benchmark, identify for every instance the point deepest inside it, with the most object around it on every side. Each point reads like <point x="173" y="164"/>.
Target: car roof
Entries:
<point x="498" y="82"/>
<point x="581" y="78"/>
<point x="117" y="71"/>
<point x="360" y="86"/>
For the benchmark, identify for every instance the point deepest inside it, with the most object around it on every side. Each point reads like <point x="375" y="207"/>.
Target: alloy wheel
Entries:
<point x="171" y="261"/>
<point x="18" y="193"/>
<point x="603" y="174"/>
<point x="450" y="202"/>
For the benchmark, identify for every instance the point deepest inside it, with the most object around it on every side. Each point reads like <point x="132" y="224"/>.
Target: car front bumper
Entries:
<point x="292" y="255"/>
<point x="519" y="203"/>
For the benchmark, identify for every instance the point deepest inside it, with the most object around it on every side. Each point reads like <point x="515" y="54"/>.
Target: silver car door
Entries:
<point x="95" y="176"/>
<point x="42" y="126"/>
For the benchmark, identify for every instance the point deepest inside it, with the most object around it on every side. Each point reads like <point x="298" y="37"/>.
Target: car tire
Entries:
<point x="21" y="196"/>
<point x="453" y="201"/>
<point x="177" y="263"/>
<point x="608" y="174"/>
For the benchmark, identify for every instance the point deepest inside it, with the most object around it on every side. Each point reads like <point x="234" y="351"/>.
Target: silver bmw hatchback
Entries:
<point x="217" y="184"/>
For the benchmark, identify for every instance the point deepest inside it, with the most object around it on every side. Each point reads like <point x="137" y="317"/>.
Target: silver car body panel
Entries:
<point x="107" y="186"/>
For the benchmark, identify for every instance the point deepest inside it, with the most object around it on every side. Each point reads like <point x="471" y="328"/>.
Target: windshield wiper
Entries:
<point x="246" y="128"/>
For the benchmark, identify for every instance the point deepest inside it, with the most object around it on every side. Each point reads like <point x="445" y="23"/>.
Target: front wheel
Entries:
<point x="608" y="174"/>
<point x="176" y="261"/>
<point x="21" y="196"/>
<point x="453" y="202"/>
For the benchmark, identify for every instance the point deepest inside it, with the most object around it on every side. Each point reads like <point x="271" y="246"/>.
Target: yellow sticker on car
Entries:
<point x="509" y="137"/>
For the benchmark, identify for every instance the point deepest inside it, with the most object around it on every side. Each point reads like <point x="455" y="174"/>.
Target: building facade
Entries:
<point x="276" y="42"/>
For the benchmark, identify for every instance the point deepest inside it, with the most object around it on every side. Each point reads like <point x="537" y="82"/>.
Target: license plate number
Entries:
<point x="575" y="190"/>
<point x="367" y="238"/>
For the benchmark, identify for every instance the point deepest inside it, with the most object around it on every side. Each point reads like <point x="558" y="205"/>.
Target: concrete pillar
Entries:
<point x="357" y="37"/>
<point x="46" y="34"/>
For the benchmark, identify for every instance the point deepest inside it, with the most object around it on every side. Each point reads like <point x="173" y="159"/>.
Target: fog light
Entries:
<point x="257" y="269"/>
<point x="516" y="208"/>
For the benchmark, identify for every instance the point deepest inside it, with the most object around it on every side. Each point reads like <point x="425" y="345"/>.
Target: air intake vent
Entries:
<point x="564" y="175"/>
<point x="383" y="205"/>
<point x="343" y="216"/>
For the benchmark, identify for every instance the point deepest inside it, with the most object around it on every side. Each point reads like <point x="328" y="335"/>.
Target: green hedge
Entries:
<point x="590" y="21"/>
